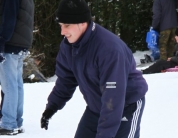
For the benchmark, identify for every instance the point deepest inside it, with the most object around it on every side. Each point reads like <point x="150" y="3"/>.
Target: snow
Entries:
<point x="160" y="117"/>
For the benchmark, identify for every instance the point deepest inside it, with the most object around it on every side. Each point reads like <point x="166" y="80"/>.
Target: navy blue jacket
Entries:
<point x="164" y="15"/>
<point x="105" y="70"/>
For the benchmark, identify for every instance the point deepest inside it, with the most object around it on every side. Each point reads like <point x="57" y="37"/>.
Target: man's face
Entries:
<point x="73" y="31"/>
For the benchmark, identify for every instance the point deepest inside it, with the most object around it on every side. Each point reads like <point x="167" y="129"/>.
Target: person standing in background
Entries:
<point x="16" y="36"/>
<point x="165" y="22"/>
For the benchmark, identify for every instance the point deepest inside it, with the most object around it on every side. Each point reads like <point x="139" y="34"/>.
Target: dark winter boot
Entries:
<point x="142" y="61"/>
<point x="147" y="58"/>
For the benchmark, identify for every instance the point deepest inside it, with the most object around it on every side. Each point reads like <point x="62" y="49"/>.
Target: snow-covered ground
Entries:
<point x="160" y="117"/>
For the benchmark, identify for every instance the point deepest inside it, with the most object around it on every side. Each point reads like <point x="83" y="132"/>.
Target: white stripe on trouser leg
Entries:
<point x="135" y="119"/>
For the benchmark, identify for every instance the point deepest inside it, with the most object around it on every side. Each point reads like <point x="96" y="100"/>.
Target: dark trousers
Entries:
<point x="129" y="127"/>
<point x="159" y="66"/>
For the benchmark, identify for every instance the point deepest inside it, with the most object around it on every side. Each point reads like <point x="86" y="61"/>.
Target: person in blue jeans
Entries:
<point x="16" y="35"/>
<point x="104" y="68"/>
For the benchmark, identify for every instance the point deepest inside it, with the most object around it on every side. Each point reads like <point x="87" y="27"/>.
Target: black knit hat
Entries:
<point x="73" y="12"/>
<point x="176" y="32"/>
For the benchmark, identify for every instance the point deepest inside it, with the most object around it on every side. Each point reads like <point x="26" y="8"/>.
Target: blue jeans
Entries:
<point x="12" y="86"/>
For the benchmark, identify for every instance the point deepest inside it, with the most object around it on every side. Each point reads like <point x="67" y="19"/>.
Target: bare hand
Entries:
<point x="168" y="59"/>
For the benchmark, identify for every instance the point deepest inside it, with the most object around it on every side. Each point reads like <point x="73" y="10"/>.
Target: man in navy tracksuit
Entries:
<point x="104" y="68"/>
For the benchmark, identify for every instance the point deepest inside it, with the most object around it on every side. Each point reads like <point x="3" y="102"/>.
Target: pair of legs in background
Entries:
<point x="159" y="66"/>
<point x="129" y="127"/>
<point x="167" y="43"/>
<point x="12" y="87"/>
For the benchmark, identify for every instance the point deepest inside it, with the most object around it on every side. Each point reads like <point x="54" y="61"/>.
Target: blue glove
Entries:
<point x="2" y="58"/>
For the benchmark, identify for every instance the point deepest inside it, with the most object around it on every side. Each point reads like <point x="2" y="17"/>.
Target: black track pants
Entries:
<point x="129" y="128"/>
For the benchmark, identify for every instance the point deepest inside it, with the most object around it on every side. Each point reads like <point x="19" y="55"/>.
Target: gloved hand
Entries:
<point x="2" y="58"/>
<point x="48" y="113"/>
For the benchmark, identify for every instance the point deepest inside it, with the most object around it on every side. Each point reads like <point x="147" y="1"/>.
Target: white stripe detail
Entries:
<point x="135" y="119"/>
<point x="110" y="82"/>
<point x="110" y="86"/>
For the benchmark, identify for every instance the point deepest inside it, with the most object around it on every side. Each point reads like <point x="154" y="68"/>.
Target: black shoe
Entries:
<point x="142" y="61"/>
<point x="147" y="58"/>
<point x="4" y="131"/>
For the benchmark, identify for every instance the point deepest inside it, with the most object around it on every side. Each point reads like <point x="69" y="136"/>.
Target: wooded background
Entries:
<point x="129" y="19"/>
